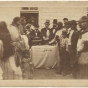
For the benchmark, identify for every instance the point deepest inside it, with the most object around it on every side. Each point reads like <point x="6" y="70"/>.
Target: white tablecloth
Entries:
<point x="45" y="56"/>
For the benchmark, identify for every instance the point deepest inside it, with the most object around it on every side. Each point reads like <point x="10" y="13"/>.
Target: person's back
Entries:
<point x="6" y="39"/>
<point x="15" y="34"/>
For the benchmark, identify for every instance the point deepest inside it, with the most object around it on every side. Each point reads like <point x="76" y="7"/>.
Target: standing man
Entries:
<point x="72" y="45"/>
<point x="54" y="28"/>
<point x="82" y="49"/>
<point x="46" y="33"/>
<point x="67" y="27"/>
<point x="65" y="20"/>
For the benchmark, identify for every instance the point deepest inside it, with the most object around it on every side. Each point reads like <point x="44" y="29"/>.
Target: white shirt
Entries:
<point x="47" y="33"/>
<point x="32" y="27"/>
<point x="80" y="44"/>
<point x="14" y="32"/>
<point x="54" y="30"/>
<point x="59" y="33"/>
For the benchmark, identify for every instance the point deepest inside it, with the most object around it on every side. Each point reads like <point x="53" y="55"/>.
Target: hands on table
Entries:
<point x="52" y="44"/>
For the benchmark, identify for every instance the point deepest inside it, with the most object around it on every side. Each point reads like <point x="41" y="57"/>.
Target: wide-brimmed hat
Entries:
<point x="47" y="22"/>
<point x="83" y="19"/>
<point x="60" y="24"/>
<point x="67" y="23"/>
<point x="54" y="21"/>
<point x="73" y="22"/>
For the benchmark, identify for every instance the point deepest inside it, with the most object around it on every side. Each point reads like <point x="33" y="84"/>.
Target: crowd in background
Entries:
<point x="17" y="40"/>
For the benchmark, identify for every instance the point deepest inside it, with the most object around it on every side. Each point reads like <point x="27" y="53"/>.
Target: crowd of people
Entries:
<point x="17" y="40"/>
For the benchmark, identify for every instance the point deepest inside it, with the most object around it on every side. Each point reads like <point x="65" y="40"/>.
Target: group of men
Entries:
<point x="65" y="35"/>
<point x="46" y="35"/>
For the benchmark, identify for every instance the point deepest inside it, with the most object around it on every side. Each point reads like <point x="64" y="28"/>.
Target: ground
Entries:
<point x="48" y="74"/>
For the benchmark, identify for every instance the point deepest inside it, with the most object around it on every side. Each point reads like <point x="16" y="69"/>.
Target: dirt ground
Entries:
<point x="48" y="74"/>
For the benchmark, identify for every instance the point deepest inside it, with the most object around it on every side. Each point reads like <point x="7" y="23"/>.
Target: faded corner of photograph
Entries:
<point x="43" y="42"/>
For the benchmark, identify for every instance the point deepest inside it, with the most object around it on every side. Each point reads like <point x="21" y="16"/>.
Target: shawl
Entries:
<point x="8" y="47"/>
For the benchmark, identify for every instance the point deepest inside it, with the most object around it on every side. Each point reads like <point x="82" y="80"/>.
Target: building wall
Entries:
<point x="8" y="13"/>
<point x="72" y="13"/>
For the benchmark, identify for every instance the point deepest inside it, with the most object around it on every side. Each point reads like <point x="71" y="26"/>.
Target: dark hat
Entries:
<point x="73" y="22"/>
<point x="67" y="23"/>
<point x="16" y="19"/>
<point x="83" y="19"/>
<point x="60" y="24"/>
<point x="65" y="19"/>
<point x="36" y="25"/>
<point x="64" y="31"/>
<point x="47" y="22"/>
<point x="54" y="21"/>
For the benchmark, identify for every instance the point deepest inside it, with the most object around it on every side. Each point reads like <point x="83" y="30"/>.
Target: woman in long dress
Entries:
<point x="8" y="73"/>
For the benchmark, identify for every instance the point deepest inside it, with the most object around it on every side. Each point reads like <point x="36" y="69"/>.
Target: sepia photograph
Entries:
<point x="43" y="41"/>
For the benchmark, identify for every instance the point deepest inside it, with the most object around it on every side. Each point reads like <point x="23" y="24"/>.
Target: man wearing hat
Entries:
<point x="65" y="20"/>
<point x="46" y="33"/>
<point x="72" y="45"/>
<point x="54" y="28"/>
<point x="82" y="49"/>
<point x="35" y="35"/>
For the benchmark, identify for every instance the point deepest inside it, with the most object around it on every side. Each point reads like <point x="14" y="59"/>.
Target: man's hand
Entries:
<point x="36" y="37"/>
<point x="45" y="38"/>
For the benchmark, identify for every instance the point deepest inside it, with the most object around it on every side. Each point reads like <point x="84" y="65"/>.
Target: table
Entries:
<point x="45" y="56"/>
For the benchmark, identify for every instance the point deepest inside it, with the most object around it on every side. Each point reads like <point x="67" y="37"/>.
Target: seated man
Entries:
<point x="46" y="33"/>
<point x="35" y="36"/>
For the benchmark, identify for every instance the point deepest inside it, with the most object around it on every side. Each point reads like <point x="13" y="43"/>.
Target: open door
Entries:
<point x="31" y="17"/>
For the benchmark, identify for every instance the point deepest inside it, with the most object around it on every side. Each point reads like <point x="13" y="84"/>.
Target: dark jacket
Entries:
<point x="74" y="40"/>
<point x="33" y="36"/>
<point x="53" y="32"/>
<point x="43" y="33"/>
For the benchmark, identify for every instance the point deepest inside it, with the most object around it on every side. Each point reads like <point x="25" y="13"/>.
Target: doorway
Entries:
<point x="31" y="17"/>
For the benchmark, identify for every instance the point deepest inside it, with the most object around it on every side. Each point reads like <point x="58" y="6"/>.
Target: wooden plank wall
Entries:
<point x="72" y="13"/>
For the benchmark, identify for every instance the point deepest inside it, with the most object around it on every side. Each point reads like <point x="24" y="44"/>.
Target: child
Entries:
<point x="64" y="60"/>
<point x="27" y="66"/>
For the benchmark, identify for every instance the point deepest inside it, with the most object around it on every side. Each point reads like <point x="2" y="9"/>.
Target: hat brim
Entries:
<point x="47" y="23"/>
<point x="54" y="22"/>
<point x="81" y="21"/>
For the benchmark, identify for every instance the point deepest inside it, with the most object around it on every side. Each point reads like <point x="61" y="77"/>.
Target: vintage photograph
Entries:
<point x="40" y="42"/>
